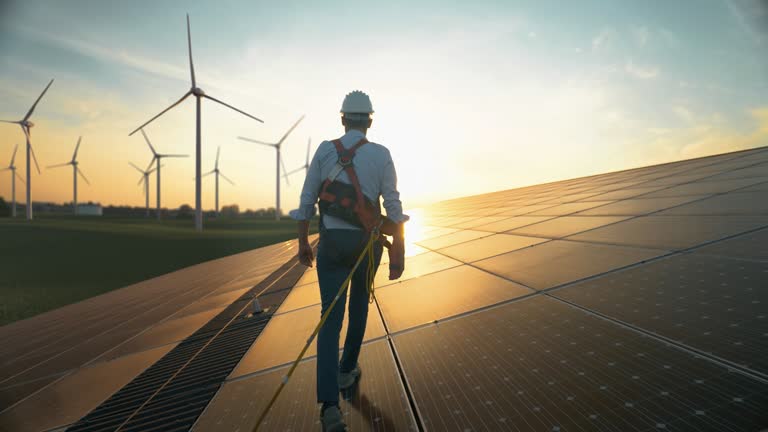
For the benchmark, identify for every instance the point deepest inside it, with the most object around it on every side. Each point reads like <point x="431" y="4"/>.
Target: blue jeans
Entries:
<point x="336" y="255"/>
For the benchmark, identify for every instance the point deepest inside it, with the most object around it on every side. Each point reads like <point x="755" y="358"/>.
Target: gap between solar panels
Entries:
<point x="172" y="393"/>
<point x="366" y="253"/>
<point x="759" y="376"/>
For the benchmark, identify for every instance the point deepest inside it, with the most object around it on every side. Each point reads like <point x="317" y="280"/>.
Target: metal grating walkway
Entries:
<point x="172" y="393"/>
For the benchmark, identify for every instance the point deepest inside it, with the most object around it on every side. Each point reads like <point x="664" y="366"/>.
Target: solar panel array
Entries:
<point x="60" y="365"/>
<point x="632" y="300"/>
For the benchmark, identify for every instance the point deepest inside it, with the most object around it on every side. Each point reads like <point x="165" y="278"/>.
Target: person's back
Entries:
<point x="348" y="175"/>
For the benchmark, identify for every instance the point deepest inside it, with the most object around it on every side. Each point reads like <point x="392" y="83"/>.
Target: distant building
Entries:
<point x="89" y="210"/>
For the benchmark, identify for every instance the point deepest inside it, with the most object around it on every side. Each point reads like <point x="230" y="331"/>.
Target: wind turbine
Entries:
<point x="157" y="158"/>
<point x="26" y="126"/>
<point x="199" y="94"/>
<point x="75" y="171"/>
<point x="218" y="173"/>
<point x="278" y="161"/>
<point x="145" y="178"/>
<point x="12" y="168"/>
<point x="304" y="167"/>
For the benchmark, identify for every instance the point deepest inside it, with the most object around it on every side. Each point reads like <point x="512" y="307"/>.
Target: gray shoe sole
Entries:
<point x="348" y="380"/>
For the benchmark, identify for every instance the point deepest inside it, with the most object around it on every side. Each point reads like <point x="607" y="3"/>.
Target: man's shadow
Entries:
<point x="377" y="419"/>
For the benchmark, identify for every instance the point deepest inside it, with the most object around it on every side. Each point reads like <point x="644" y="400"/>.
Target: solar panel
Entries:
<point x="285" y="336"/>
<point x="565" y="209"/>
<point x="566" y="225"/>
<point x="748" y="246"/>
<point x="671" y="232"/>
<point x="91" y="385"/>
<point x="378" y="404"/>
<point x="736" y="203"/>
<point x="537" y="364"/>
<point x="714" y="305"/>
<point x="512" y="223"/>
<point x="704" y="187"/>
<point x="557" y="262"/>
<point x="419" y="265"/>
<point x="441" y="295"/>
<point x="639" y="206"/>
<point x="489" y="246"/>
<point x="452" y="239"/>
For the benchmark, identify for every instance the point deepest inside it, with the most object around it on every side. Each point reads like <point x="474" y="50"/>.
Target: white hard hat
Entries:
<point x="356" y="102"/>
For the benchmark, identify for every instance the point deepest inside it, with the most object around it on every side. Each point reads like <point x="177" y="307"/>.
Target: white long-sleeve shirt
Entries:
<point x="375" y="171"/>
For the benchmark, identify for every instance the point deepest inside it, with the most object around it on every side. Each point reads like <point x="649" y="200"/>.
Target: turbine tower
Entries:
<point x="279" y="161"/>
<point x="145" y="179"/>
<point x="26" y="126"/>
<point x="75" y="171"/>
<point x="12" y="168"/>
<point x="199" y="94"/>
<point x="304" y="167"/>
<point x="157" y="158"/>
<point x="218" y="173"/>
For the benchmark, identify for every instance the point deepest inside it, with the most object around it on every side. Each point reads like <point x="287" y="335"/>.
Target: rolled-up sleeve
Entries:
<point x="308" y="199"/>
<point x="390" y="194"/>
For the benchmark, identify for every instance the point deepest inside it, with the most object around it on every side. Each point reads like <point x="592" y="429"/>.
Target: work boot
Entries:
<point x="331" y="420"/>
<point x="348" y="379"/>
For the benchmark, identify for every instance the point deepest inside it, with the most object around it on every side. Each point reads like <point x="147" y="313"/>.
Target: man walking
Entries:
<point x="348" y="175"/>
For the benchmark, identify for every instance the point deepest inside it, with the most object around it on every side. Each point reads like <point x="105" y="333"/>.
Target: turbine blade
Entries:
<point x="146" y="138"/>
<point x="226" y="178"/>
<point x="9" y="121"/>
<point x="31" y="110"/>
<point x="19" y="176"/>
<point x="282" y="162"/>
<point x="279" y="143"/>
<point x="58" y="165"/>
<point x="77" y="147"/>
<point x="32" y="149"/>
<point x="207" y="174"/>
<point x="218" y="151"/>
<point x="294" y="171"/>
<point x="13" y="158"/>
<point x="256" y="141"/>
<point x="79" y="171"/>
<point x="189" y="45"/>
<point x="231" y="107"/>
<point x="137" y="168"/>
<point x="174" y="155"/>
<point x="151" y="162"/>
<point x="5" y="169"/>
<point x="186" y="95"/>
<point x="154" y="169"/>
<point x="141" y="180"/>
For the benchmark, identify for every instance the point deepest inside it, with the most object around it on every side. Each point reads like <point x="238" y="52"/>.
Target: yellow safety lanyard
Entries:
<point x="367" y="251"/>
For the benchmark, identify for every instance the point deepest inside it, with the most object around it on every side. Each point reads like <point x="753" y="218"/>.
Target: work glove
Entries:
<point x="306" y="256"/>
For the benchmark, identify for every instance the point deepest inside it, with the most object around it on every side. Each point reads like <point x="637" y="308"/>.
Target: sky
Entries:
<point x="470" y="97"/>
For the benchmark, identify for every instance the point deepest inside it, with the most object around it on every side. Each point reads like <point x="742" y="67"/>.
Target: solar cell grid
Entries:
<point x="558" y="262"/>
<point x="91" y="385"/>
<point x="566" y="225"/>
<point x="671" y="232"/>
<point x="704" y="188"/>
<point x="441" y="295"/>
<point x="746" y="246"/>
<point x="734" y="203"/>
<point x="489" y="246"/>
<point x="379" y="404"/>
<point x="536" y="364"/>
<point x="715" y="305"/>
<point x="640" y="206"/>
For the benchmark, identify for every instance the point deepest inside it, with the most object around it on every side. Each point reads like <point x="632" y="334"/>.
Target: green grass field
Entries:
<point x="57" y="260"/>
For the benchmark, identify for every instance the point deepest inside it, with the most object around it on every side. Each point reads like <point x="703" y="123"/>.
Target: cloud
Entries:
<point x="752" y="17"/>
<point x="641" y="71"/>
<point x="604" y="39"/>
<point x="705" y="138"/>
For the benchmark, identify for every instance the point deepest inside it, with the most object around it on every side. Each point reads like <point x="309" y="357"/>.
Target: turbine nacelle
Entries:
<point x="197" y="91"/>
<point x="26" y="123"/>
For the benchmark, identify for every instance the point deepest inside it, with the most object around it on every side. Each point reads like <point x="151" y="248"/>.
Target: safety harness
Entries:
<point x="346" y="201"/>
